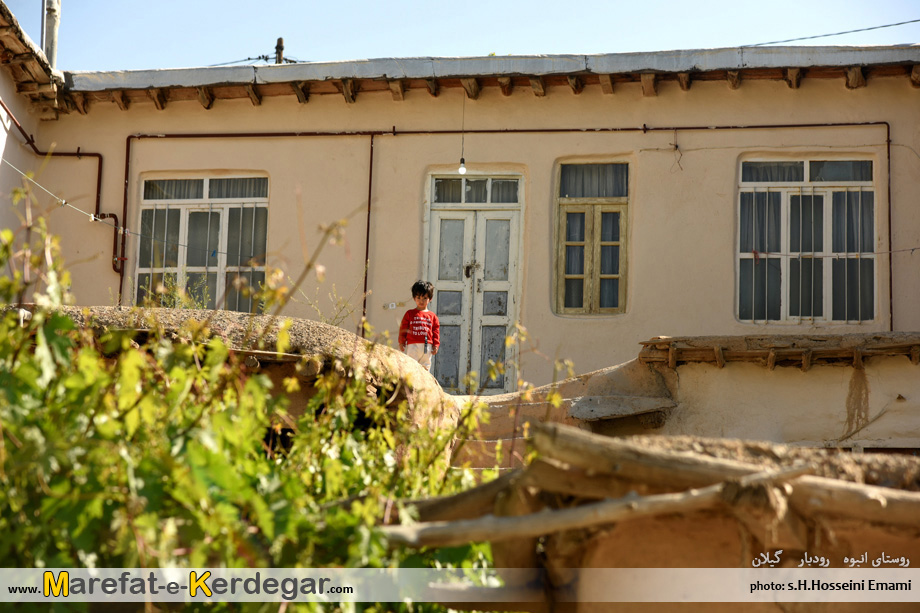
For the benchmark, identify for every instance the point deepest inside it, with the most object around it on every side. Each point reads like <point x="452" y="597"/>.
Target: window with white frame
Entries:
<point x="591" y="238"/>
<point x="807" y="241"/>
<point x="207" y="236"/>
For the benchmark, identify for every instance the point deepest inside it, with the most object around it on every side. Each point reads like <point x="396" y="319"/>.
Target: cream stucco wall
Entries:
<point x="14" y="152"/>
<point x="682" y="219"/>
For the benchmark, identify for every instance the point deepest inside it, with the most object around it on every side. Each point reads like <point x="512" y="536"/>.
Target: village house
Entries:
<point x="600" y="200"/>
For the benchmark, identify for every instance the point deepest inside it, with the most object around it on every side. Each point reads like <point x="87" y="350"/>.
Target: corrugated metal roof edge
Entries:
<point x="695" y="60"/>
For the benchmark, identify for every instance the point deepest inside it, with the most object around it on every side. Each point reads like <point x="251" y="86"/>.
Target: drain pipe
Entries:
<point x="50" y="25"/>
<point x="98" y="214"/>
<point x="372" y="133"/>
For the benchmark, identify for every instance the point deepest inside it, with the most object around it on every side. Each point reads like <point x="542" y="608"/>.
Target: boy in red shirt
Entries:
<point x="420" y="331"/>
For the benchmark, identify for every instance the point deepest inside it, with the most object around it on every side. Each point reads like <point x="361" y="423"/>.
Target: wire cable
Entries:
<point x="792" y="40"/>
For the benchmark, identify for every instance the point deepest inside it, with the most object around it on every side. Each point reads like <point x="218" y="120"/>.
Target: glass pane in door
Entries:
<point x="450" y="253"/>
<point x="498" y="241"/>
<point x="493" y="348"/>
<point x="447" y="363"/>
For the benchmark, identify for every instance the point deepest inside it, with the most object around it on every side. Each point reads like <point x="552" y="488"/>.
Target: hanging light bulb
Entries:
<point x="462" y="169"/>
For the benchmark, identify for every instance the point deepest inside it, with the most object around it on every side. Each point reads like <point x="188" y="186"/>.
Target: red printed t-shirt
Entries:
<point x="419" y="327"/>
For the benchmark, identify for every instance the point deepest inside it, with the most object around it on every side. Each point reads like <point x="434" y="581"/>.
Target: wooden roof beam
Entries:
<point x="606" y="83"/>
<point x="538" y="86"/>
<point x="649" y="83"/>
<point x="471" y="86"/>
<point x="119" y="98"/>
<point x="398" y="89"/>
<point x="734" y="78"/>
<point x="302" y="91"/>
<point x="793" y="77"/>
<point x="159" y="98"/>
<point x="434" y="88"/>
<point x="349" y="90"/>
<point x="915" y="75"/>
<point x="6" y="30"/>
<point x="855" y="77"/>
<point x="32" y="87"/>
<point x="79" y="102"/>
<point x="683" y="79"/>
<point x="253" y="94"/>
<point x="18" y="58"/>
<point x="506" y="85"/>
<point x="576" y="84"/>
<point x="205" y="97"/>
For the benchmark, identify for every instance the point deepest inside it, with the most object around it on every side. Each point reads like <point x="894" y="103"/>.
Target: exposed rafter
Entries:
<point x="855" y="77"/>
<point x="649" y="83"/>
<point x="434" y="88"/>
<point x="398" y="89"/>
<point x="302" y="91"/>
<point x="472" y="88"/>
<point x="915" y="75"/>
<point x="576" y="83"/>
<point x="31" y="87"/>
<point x="606" y="83"/>
<point x="538" y="87"/>
<point x="253" y="94"/>
<point x="205" y="97"/>
<point x="348" y="90"/>
<point x="506" y="85"/>
<point x="684" y="80"/>
<point x="119" y="98"/>
<point x="793" y="77"/>
<point x="79" y="102"/>
<point x="159" y="98"/>
<point x="734" y="78"/>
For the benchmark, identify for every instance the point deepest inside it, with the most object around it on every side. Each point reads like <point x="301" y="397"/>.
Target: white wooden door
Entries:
<point x="473" y="265"/>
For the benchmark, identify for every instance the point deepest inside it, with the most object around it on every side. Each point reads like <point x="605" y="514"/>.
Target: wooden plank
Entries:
<point x="18" y="58"/>
<point x="720" y="357"/>
<point x="434" y="88"/>
<point x="672" y="356"/>
<point x="348" y="90"/>
<point x="32" y="87"/>
<point x="205" y="97"/>
<point x="506" y="85"/>
<point x="119" y="98"/>
<point x="159" y="97"/>
<point x="471" y="86"/>
<point x="806" y="360"/>
<point x="474" y="502"/>
<point x="915" y="75"/>
<point x="855" y="77"/>
<point x="79" y="102"/>
<point x="649" y="84"/>
<point x="734" y="78"/>
<point x="793" y="76"/>
<point x="606" y="83"/>
<point x="683" y="79"/>
<point x="253" y="94"/>
<point x="538" y="86"/>
<point x="398" y="89"/>
<point x="302" y="91"/>
<point x="6" y="30"/>
<point x="575" y="83"/>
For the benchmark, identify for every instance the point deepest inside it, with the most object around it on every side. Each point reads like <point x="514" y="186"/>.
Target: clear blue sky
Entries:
<point x="142" y="34"/>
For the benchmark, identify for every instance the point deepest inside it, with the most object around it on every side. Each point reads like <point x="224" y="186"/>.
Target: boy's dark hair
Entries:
<point x="422" y="288"/>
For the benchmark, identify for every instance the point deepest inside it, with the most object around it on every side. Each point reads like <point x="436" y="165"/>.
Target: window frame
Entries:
<point x="205" y="204"/>
<point x="804" y="189"/>
<point x="596" y="206"/>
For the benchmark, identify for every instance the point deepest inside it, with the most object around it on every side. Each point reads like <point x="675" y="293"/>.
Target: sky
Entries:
<point x="145" y="34"/>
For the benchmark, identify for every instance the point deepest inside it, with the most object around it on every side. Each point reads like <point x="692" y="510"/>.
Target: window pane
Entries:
<point x="760" y="222"/>
<point x="759" y="289"/>
<point x="449" y="303"/>
<point x="254" y="187"/>
<point x="594" y="180"/>
<point x="159" y="241"/>
<point x="494" y="303"/>
<point x="610" y="260"/>
<point x="493" y="348"/>
<point x="153" y="286"/>
<point x="574" y="260"/>
<point x="504" y="190"/>
<point x="203" y="238"/>
<point x="240" y="287"/>
<point x="854" y="222"/>
<point x="450" y="256"/>
<point x="247" y="230"/>
<point x="854" y="289"/>
<point x="610" y="227"/>
<point x="446" y="367"/>
<point x="806" y="287"/>
<point x="201" y="287"/>
<point x="575" y="227"/>
<point x="447" y="190"/>
<point x="806" y="219"/>
<point x="574" y="293"/>
<point x="772" y="172"/>
<point x="610" y="293"/>
<point x="476" y="190"/>
<point x="174" y="189"/>
<point x="840" y="171"/>
<point x="498" y="243"/>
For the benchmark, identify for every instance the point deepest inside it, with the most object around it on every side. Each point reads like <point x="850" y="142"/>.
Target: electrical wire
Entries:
<point x="792" y="40"/>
